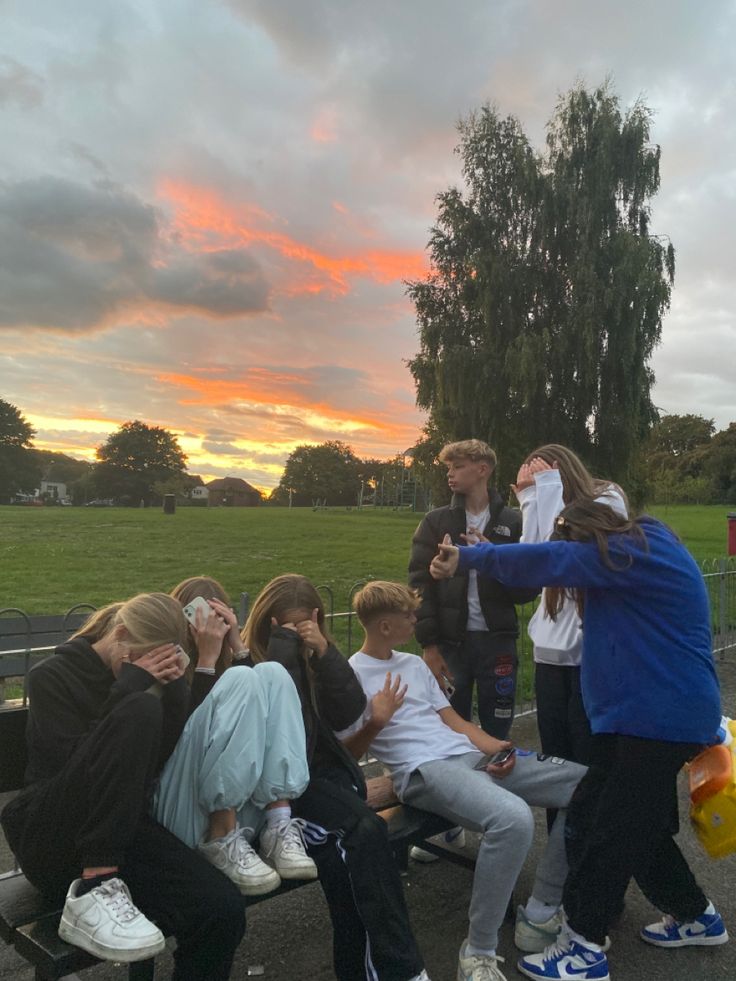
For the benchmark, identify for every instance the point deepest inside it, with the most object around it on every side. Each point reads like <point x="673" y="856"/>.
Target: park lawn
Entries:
<point x="703" y="528"/>
<point x="52" y="558"/>
<point x="55" y="557"/>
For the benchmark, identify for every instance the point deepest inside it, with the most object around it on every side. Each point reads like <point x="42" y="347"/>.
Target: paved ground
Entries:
<point x="289" y="938"/>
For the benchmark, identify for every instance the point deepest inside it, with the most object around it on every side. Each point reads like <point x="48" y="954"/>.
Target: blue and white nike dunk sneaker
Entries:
<point x="707" y="931"/>
<point x="566" y="960"/>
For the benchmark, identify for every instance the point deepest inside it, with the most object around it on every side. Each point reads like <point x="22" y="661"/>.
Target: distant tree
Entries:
<point x="546" y="292"/>
<point x="19" y="469"/>
<point x="136" y="461"/>
<point x="328" y="472"/>
<point x="674" y="437"/>
<point x="719" y="465"/>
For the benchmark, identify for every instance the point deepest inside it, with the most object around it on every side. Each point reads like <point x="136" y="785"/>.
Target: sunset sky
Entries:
<point x="208" y="209"/>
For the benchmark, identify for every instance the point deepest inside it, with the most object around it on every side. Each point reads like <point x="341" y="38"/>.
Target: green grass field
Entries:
<point x="52" y="558"/>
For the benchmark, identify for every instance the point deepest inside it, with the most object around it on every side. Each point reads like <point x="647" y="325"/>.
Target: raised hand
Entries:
<point x="209" y="632"/>
<point x="445" y="562"/>
<point x="310" y="634"/>
<point x="162" y="663"/>
<point x="388" y="700"/>
<point x="233" y="633"/>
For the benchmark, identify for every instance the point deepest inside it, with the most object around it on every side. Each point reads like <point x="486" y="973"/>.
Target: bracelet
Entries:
<point x="204" y="670"/>
<point x="240" y="654"/>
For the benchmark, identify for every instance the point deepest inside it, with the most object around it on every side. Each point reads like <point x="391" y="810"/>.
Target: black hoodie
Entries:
<point x="72" y="690"/>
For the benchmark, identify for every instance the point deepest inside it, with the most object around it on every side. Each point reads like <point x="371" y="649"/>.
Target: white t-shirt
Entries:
<point x="416" y="733"/>
<point x="476" y="620"/>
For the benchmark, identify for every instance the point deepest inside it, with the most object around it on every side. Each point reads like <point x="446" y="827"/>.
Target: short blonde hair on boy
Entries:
<point x="379" y="598"/>
<point x="469" y="449"/>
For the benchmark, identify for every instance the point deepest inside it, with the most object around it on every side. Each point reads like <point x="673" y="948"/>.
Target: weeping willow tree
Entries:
<point x="546" y="291"/>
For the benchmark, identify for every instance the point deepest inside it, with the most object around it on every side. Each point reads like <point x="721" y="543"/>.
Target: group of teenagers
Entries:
<point x="176" y="768"/>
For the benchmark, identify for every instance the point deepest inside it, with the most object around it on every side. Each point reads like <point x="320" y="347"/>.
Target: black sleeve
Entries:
<point x="202" y="685"/>
<point x="423" y="550"/>
<point x="175" y="699"/>
<point x="340" y="696"/>
<point x="55" y="726"/>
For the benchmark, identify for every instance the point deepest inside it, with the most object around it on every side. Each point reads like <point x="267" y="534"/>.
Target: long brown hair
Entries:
<point x="577" y="480"/>
<point x="588" y="520"/>
<point x="208" y="588"/>
<point x="277" y="598"/>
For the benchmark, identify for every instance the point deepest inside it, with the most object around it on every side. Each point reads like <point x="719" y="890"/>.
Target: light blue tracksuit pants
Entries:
<point x="242" y="748"/>
<point x="499" y="810"/>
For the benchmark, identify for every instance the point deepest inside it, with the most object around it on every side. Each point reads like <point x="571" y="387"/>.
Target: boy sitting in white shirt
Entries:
<point x="439" y="762"/>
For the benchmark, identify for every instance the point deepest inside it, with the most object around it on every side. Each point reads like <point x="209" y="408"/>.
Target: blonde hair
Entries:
<point x="469" y="449"/>
<point x="149" y="619"/>
<point x="279" y="597"/>
<point x="97" y="624"/>
<point x="379" y="598"/>
<point x="208" y="588"/>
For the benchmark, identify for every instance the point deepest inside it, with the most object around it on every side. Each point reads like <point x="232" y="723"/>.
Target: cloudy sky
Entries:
<point x="208" y="209"/>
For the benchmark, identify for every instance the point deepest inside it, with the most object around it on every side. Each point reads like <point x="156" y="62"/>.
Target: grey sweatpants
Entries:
<point x="499" y="810"/>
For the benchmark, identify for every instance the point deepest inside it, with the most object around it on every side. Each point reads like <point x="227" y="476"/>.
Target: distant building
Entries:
<point x="232" y="492"/>
<point x="199" y="493"/>
<point x="55" y="489"/>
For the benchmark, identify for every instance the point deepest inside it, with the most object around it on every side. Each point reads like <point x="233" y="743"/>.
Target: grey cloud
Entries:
<point x="19" y="85"/>
<point x="221" y="449"/>
<point x="74" y="257"/>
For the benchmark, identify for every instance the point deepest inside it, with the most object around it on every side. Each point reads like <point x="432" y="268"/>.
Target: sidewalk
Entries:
<point x="290" y="937"/>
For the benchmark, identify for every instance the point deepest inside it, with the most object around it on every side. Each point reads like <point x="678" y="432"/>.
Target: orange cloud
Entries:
<point x="281" y="392"/>
<point x="324" y="127"/>
<point x="204" y="221"/>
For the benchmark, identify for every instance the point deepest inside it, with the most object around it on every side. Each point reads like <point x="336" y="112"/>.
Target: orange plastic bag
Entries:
<point x="712" y="777"/>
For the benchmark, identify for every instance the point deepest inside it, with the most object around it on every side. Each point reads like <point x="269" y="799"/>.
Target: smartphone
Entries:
<point x="449" y="687"/>
<point x="198" y="603"/>
<point x="183" y="656"/>
<point x="497" y="758"/>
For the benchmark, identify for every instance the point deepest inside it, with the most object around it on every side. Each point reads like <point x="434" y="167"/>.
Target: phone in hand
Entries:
<point x="183" y="656"/>
<point x="198" y="603"/>
<point x="449" y="687"/>
<point x="495" y="759"/>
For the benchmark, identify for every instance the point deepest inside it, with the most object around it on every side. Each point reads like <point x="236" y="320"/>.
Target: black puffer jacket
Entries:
<point x="443" y="614"/>
<point x="332" y="701"/>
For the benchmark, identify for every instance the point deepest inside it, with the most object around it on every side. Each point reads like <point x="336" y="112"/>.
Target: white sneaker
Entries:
<point x="532" y="937"/>
<point x="455" y="837"/>
<point x="478" y="967"/>
<point x="235" y="857"/>
<point x="283" y="848"/>
<point x="106" y="924"/>
<point x="418" y="854"/>
<point x="420" y="977"/>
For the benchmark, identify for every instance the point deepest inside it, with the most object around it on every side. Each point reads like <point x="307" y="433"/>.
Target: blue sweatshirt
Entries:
<point x="647" y="667"/>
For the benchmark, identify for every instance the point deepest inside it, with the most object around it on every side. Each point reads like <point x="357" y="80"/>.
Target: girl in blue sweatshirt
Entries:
<point x="651" y="693"/>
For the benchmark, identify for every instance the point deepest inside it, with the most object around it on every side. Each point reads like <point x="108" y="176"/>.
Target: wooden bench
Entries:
<point x="30" y="923"/>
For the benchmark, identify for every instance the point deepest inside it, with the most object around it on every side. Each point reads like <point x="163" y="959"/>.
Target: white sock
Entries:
<point x="709" y="910"/>
<point x="276" y="816"/>
<point x="472" y="951"/>
<point x="539" y="912"/>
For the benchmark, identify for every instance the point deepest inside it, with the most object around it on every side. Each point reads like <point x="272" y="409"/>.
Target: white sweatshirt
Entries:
<point x="557" y="641"/>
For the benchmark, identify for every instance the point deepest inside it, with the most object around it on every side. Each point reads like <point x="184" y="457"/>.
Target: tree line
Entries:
<point x="682" y="461"/>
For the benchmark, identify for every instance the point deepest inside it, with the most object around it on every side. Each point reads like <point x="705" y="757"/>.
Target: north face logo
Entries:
<point x="502" y="530"/>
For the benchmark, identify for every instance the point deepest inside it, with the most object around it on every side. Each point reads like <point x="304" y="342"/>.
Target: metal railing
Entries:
<point x="719" y="576"/>
<point x="720" y="581"/>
